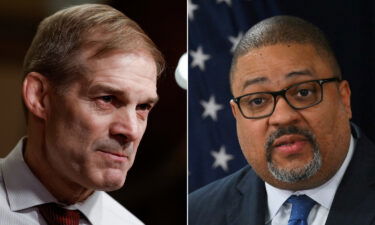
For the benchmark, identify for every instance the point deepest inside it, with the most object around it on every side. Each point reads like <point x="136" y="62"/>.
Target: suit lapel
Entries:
<point x="249" y="202"/>
<point x="354" y="201"/>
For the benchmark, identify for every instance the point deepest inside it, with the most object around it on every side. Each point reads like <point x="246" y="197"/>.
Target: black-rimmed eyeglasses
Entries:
<point x="299" y="96"/>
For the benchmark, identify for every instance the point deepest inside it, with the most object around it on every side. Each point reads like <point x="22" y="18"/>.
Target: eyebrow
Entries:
<point x="115" y="91"/>
<point x="105" y="88"/>
<point x="299" y="73"/>
<point x="153" y="100"/>
<point x="292" y="74"/>
<point x="253" y="81"/>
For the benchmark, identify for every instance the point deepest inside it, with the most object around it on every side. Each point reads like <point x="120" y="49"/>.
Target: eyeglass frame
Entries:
<point x="281" y="93"/>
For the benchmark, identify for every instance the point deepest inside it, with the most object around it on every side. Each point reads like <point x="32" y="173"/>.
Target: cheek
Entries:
<point x="251" y="135"/>
<point x="331" y="126"/>
<point x="141" y="130"/>
<point x="76" y="130"/>
<point x="80" y="127"/>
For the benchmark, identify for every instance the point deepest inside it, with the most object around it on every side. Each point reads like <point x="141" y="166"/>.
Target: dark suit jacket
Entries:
<point x="240" y="199"/>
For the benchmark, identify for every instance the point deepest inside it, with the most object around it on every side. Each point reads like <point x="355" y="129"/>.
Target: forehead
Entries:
<point x="278" y="65"/>
<point x="122" y="71"/>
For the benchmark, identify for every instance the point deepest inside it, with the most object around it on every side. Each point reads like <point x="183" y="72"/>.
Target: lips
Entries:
<point x="117" y="156"/>
<point x="290" y="144"/>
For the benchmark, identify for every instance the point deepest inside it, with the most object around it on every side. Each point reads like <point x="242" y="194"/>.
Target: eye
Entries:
<point x="304" y="92"/>
<point x="257" y="101"/>
<point x="106" y="102"/>
<point x="107" y="98"/>
<point x="144" y="107"/>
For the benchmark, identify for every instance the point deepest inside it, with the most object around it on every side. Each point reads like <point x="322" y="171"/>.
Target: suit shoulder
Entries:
<point x="116" y="213"/>
<point x="210" y="199"/>
<point x="221" y="186"/>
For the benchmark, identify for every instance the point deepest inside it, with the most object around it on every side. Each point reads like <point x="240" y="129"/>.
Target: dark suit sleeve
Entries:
<point x="208" y="204"/>
<point x="236" y="199"/>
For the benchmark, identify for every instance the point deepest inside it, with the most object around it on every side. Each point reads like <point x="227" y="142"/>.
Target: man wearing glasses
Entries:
<point x="309" y="164"/>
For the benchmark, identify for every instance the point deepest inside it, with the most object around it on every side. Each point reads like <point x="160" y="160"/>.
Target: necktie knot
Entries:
<point x="301" y="206"/>
<point x="56" y="215"/>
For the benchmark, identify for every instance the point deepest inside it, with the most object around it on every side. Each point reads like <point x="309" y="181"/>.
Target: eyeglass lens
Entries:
<point x="299" y="96"/>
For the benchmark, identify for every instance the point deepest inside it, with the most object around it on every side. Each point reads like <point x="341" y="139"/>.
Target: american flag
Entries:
<point x="215" y="27"/>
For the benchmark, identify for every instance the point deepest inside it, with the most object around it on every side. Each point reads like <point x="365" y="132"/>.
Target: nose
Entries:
<point x="124" y="127"/>
<point x="284" y="114"/>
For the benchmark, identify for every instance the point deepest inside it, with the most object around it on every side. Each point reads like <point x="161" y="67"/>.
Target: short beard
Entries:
<point x="297" y="174"/>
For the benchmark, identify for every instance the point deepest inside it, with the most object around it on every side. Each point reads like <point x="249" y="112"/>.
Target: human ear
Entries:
<point x="35" y="89"/>
<point x="345" y="93"/>
<point x="234" y="108"/>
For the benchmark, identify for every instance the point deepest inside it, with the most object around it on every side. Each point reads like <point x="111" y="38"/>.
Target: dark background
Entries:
<point x="155" y="189"/>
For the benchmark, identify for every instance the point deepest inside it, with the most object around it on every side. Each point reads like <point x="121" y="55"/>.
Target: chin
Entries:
<point x="111" y="188"/>
<point x="112" y="183"/>
<point x="109" y="179"/>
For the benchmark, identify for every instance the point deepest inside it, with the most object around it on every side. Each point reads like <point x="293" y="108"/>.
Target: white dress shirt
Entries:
<point x="279" y="211"/>
<point x="21" y="192"/>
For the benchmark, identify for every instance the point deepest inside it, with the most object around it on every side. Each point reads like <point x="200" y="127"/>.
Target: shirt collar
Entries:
<point x="322" y="194"/>
<point x="24" y="189"/>
<point x="92" y="207"/>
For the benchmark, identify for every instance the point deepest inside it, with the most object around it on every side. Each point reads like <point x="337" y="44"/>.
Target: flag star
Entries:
<point x="191" y="7"/>
<point x="211" y="108"/>
<point x="235" y="41"/>
<point x="221" y="158"/>
<point x="199" y="58"/>
<point x="229" y="2"/>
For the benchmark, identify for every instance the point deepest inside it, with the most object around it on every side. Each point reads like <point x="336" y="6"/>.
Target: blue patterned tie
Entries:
<point x="301" y="206"/>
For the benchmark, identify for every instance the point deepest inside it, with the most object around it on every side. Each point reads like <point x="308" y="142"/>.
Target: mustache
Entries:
<point x="310" y="137"/>
<point x="112" y="145"/>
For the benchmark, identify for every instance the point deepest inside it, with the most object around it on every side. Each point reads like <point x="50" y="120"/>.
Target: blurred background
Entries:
<point x="155" y="189"/>
<point x="215" y="27"/>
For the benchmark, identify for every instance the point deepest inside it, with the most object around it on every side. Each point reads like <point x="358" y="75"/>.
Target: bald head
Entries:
<point x="284" y="30"/>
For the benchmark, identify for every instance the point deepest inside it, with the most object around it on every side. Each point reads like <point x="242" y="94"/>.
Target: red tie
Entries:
<point x="56" y="215"/>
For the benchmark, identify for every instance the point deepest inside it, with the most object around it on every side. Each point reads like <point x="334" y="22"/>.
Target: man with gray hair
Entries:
<point x="309" y="164"/>
<point x="89" y="84"/>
